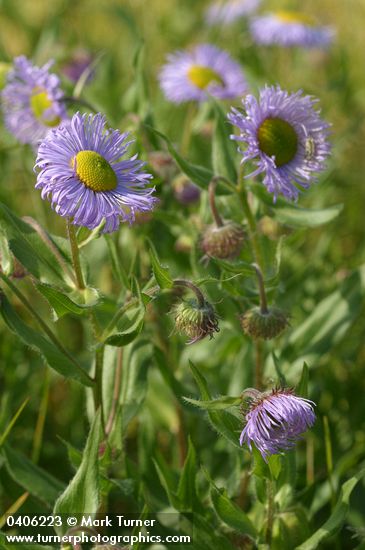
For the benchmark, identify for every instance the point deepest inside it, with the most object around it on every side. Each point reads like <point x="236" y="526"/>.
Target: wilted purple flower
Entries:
<point x="286" y="138"/>
<point x="207" y="70"/>
<point x="32" y="101"/>
<point x="82" y="174"/>
<point x="290" y="29"/>
<point x="276" y="420"/>
<point x="226" y="12"/>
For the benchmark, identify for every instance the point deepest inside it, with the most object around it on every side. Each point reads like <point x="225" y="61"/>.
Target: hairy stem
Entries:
<point x="212" y="204"/>
<point x="258" y="364"/>
<point x="263" y="299"/>
<point x="270" y="510"/>
<point x="98" y="387"/>
<point x="188" y="284"/>
<point x="75" y="254"/>
<point x="116" y="392"/>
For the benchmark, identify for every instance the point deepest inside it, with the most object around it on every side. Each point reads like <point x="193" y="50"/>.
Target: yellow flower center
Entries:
<point x="40" y="103"/>
<point x="295" y="17"/>
<point x="202" y="76"/>
<point x="278" y="138"/>
<point x="94" y="171"/>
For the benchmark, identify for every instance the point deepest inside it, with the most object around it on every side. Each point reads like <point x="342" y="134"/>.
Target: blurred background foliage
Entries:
<point x="317" y="262"/>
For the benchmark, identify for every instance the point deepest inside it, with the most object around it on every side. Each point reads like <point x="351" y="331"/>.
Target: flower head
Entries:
<point x="285" y="137"/>
<point x="224" y="242"/>
<point x="32" y="101"/>
<point x="276" y="420"/>
<point x="81" y="171"/>
<point x="287" y="28"/>
<point x="225" y="13"/>
<point x="266" y="325"/>
<point x="207" y="70"/>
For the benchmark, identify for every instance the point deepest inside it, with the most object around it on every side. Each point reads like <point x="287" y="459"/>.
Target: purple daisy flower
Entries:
<point x="81" y="172"/>
<point x="207" y="70"/>
<point x="276" y="420"/>
<point x="225" y="13"/>
<point x="286" y="138"/>
<point x="32" y="101"/>
<point x="290" y="29"/>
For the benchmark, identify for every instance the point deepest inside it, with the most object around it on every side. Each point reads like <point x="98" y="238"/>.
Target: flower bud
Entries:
<point x="266" y="325"/>
<point x="162" y="164"/>
<point x="185" y="191"/>
<point x="195" y="320"/>
<point x="223" y="242"/>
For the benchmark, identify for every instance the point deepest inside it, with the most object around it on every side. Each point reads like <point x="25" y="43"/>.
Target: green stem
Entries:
<point x="212" y="204"/>
<point x="75" y="254"/>
<point x="98" y="386"/>
<point x="263" y="299"/>
<point x="40" y="321"/>
<point x="39" y="429"/>
<point x="188" y="284"/>
<point x="242" y="194"/>
<point x="258" y="365"/>
<point x="188" y="126"/>
<point x="270" y="510"/>
<point x="116" y="393"/>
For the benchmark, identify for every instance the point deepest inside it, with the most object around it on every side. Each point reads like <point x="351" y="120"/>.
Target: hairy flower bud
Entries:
<point x="185" y="191"/>
<point x="266" y="325"/>
<point x="195" y="320"/>
<point x="223" y="242"/>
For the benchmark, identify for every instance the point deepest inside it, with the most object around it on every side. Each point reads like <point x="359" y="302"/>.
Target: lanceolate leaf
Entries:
<point x="31" y="477"/>
<point x="337" y="518"/>
<point x="53" y="356"/>
<point x="186" y="491"/>
<point x="161" y="273"/>
<point x="215" y="404"/>
<point x="225" y="423"/>
<point x="29" y="248"/>
<point x="60" y="302"/>
<point x="82" y="494"/>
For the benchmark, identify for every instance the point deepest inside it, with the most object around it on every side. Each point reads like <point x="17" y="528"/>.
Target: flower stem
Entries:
<point x="212" y="204"/>
<point x="270" y="510"/>
<point x="188" y="125"/>
<point x="242" y="194"/>
<point x="258" y="364"/>
<point x="116" y="392"/>
<point x="263" y="299"/>
<point x="98" y="386"/>
<point x="188" y="284"/>
<point x="75" y="254"/>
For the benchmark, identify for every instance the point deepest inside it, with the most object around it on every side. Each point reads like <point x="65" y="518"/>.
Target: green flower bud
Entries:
<point x="196" y="321"/>
<point x="224" y="242"/>
<point x="266" y="325"/>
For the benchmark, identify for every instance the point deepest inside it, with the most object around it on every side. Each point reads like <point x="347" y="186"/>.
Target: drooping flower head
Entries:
<point x="82" y="172"/>
<point x="285" y="137"/>
<point x="226" y="12"/>
<point x="286" y="28"/>
<point x="32" y="101"/>
<point x="207" y="70"/>
<point x="276" y="420"/>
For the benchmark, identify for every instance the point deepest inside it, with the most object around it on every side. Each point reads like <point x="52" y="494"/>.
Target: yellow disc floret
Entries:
<point x="202" y="76"/>
<point x="40" y="103"/>
<point x="279" y="139"/>
<point x="94" y="171"/>
<point x="295" y="17"/>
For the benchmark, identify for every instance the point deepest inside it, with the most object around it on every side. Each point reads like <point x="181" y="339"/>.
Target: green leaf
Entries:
<point x="6" y="258"/>
<point x="30" y="249"/>
<point x="168" y="375"/>
<point x="290" y="214"/>
<point x="128" y="328"/>
<point x="199" y="175"/>
<point x="225" y="423"/>
<point x="186" y="492"/>
<point x="328" y="322"/>
<point x="302" y="389"/>
<point x="338" y="516"/>
<point x="31" y="477"/>
<point x="223" y="148"/>
<point x="81" y="496"/>
<point x="216" y="404"/>
<point x="260" y="467"/>
<point x="167" y="482"/>
<point x="53" y="356"/>
<point x="230" y="513"/>
<point x="60" y="302"/>
<point x="161" y="273"/>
